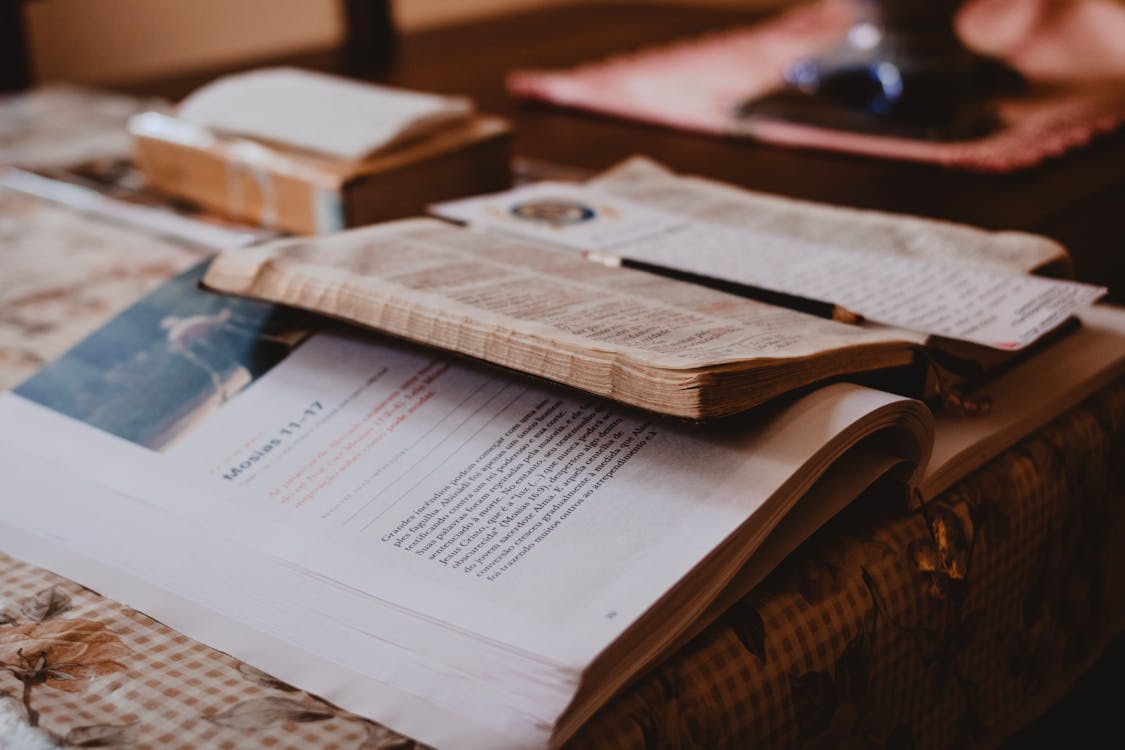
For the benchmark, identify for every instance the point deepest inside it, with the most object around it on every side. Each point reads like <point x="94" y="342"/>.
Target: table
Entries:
<point x="932" y="629"/>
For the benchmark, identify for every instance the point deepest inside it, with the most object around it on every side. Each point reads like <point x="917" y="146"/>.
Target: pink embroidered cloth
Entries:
<point x="1072" y="51"/>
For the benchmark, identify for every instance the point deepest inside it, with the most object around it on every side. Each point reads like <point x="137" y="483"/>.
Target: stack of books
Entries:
<point x="472" y="475"/>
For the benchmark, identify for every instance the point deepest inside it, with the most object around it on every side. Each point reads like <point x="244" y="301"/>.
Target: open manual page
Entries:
<point x="447" y="548"/>
<point x="474" y="559"/>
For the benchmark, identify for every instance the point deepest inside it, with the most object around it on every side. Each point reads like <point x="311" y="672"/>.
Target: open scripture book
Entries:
<point x="472" y="557"/>
<point x="516" y="288"/>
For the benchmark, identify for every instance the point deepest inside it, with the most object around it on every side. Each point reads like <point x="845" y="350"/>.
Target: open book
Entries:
<point x="505" y="289"/>
<point x="476" y="559"/>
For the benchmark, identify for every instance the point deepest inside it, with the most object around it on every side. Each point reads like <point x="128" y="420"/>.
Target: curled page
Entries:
<point x="326" y="114"/>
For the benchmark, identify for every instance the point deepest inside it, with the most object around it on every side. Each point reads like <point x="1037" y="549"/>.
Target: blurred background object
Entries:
<point x="109" y="42"/>
<point x="112" y="41"/>
<point x="15" y="73"/>
<point x="901" y="69"/>
<point x="1049" y="40"/>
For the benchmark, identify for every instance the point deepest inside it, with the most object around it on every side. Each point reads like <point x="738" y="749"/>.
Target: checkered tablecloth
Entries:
<point x="941" y="628"/>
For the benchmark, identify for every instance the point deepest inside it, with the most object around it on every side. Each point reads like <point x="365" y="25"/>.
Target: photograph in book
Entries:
<point x="163" y="364"/>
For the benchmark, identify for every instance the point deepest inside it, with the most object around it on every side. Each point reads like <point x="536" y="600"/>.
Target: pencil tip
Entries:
<point x="846" y="316"/>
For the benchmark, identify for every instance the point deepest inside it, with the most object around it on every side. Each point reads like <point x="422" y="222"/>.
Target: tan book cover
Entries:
<point x="311" y="153"/>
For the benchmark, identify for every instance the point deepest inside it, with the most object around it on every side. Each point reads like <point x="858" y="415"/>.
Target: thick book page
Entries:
<point x="971" y="302"/>
<point x="1028" y="396"/>
<point x="620" y="333"/>
<point x="464" y="524"/>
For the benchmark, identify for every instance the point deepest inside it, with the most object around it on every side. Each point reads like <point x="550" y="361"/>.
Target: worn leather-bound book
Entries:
<point x="516" y="288"/>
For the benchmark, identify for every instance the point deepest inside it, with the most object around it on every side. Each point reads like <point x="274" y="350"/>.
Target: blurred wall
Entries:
<point x="104" y="41"/>
<point x="115" y="40"/>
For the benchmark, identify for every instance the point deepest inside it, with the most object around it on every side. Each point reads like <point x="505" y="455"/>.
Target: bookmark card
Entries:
<point x="972" y="303"/>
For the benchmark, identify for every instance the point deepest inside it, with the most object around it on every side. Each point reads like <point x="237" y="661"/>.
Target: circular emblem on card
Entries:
<point x="554" y="212"/>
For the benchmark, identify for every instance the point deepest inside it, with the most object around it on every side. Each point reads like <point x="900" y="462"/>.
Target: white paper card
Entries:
<point x="976" y="304"/>
<point x="330" y="115"/>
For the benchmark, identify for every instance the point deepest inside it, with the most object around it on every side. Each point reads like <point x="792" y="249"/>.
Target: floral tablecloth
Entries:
<point x="943" y="628"/>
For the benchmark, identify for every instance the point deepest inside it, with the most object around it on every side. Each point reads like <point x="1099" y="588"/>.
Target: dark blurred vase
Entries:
<point x="370" y="40"/>
<point x="901" y="69"/>
<point x="15" y="68"/>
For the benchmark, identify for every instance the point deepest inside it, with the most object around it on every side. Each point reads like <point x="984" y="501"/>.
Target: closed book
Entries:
<point x="342" y="153"/>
